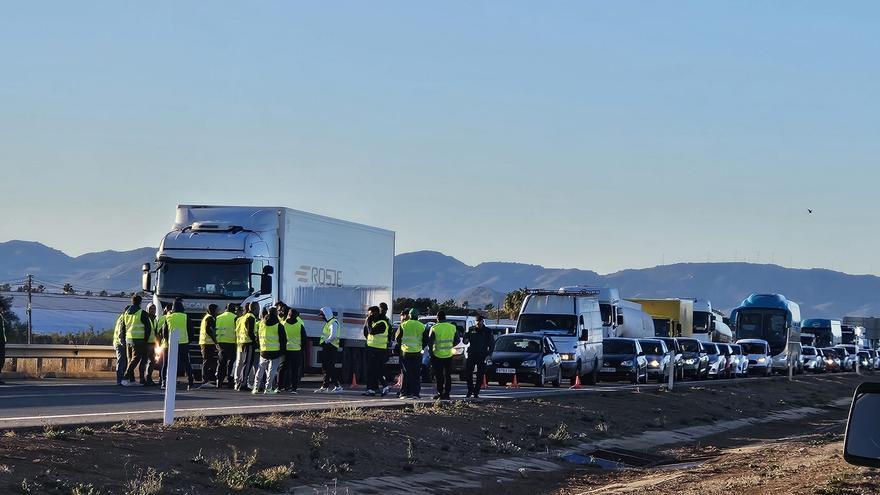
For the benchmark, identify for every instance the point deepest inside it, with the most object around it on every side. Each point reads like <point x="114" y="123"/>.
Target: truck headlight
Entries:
<point x="567" y="357"/>
<point x="529" y="364"/>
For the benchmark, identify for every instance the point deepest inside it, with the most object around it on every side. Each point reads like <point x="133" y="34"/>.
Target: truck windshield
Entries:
<point x="195" y="279"/>
<point x="661" y="328"/>
<point x="607" y="314"/>
<point x="565" y="324"/>
<point x="823" y="336"/>
<point x="765" y="324"/>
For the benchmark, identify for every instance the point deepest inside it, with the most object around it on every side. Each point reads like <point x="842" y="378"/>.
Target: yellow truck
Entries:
<point x="672" y="317"/>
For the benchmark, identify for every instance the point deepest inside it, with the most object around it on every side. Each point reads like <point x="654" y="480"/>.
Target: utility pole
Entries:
<point x="30" y="327"/>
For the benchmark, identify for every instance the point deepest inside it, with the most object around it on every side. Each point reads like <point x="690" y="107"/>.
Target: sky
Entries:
<point x="597" y="135"/>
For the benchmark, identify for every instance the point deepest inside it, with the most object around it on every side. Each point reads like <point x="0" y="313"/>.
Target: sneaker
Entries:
<point x="293" y="392"/>
<point x="124" y="383"/>
<point x="338" y="389"/>
<point x="320" y="390"/>
<point x="271" y="391"/>
<point x="385" y="390"/>
<point x="255" y="391"/>
<point x="207" y="385"/>
<point x="131" y="384"/>
<point x="369" y="393"/>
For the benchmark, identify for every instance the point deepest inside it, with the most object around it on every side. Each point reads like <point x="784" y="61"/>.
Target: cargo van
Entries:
<point x="572" y="319"/>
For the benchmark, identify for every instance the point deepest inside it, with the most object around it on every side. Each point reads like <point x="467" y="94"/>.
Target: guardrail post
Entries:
<point x="171" y="378"/>
<point x="672" y="372"/>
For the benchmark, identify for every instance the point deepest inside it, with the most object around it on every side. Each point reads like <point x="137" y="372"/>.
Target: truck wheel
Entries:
<point x="593" y="377"/>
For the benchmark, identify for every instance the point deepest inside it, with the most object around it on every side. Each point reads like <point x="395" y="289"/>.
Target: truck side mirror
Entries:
<point x="619" y="320"/>
<point x="265" y="283"/>
<point x="268" y="270"/>
<point x="146" y="278"/>
<point x="585" y="335"/>
<point x="861" y="446"/>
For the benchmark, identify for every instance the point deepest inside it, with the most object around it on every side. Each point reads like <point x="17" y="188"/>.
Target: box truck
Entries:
<point x="672" y="317"/>
<point x="620" y="318"/>
<point x="236" y="254"/>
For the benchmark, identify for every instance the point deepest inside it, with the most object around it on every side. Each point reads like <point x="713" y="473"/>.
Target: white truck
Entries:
<point x="623" y="318"/>
<point x="234" y="254"/>
<point x="572" y="319"/>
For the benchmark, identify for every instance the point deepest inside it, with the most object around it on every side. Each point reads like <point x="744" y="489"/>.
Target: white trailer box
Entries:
<point x="220" y="255"/>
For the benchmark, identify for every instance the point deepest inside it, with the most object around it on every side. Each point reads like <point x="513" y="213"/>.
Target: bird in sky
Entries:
<point x="809" y="211"/>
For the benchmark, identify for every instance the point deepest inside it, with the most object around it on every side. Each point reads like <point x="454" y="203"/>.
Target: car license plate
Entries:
<point x="506" y="371"/>
<point x="394" y="360"/>
<point x="608" y="370"/>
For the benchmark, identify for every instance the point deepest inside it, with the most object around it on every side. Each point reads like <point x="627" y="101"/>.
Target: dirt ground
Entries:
<point x="272" y="453"/>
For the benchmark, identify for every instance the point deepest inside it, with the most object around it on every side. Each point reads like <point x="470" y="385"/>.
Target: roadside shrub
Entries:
<point x="560" y="435"/>
<point x="272" y="478"/>
<point x="85" y="489"/>
<point x="84" y="431"/>
<point x="234" y="472"/>
<point x="53" y="432"/>
<point x="236" y="421"/>
<point x="125" y="425"/>
<point x="145" y="482"/>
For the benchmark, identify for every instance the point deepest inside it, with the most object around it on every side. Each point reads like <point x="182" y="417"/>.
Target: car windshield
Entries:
<point x="808" y="351"/>
<point x="710" y="348"/>
<point x="518" y="344"/>
<point x="670" y="343"/>
<point x="723" y="349"/>
<point x="689" y="345"/>
<point x="753" y="348"/>
<point x="615" y="346"/>
<point x="737" y="350"/>
<point x="651" y="347"/>
<point x="196" y="279"/>
<point x="565" y="324"/>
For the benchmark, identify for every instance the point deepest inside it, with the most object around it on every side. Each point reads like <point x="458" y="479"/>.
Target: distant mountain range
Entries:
<point x="820" y="292"/>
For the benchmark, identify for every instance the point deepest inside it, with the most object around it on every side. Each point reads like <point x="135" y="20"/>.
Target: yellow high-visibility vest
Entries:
<point x="411" y="340"/>
<point x="269" y="338"/>
<point x="293" y="331"/>
<point x="444" y="336"/>
<point x="225" y="325"/>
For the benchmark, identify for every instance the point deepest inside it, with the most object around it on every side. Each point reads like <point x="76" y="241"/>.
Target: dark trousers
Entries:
<point x="121" y="362"/>
<point x="291" y="370"/>
<point x="209" y="363"/>
<point x="478" y="362"/>
<point x="2" y="356"/>
<point x="137" y="354"/>
<point x="376" y="359"/>
<point x="328" y="366"/>
<point x="225" y="362"/>
<point x="183" y="364"/>
<point x="411" y="364"/>
<point x="443" y="375"/>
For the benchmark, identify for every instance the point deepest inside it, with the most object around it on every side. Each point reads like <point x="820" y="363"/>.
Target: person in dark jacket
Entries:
<point x="136" y="329"/>
<point x="292" y="365"/>
<point x="376" y="332"/>
<point x="480" y="341"/>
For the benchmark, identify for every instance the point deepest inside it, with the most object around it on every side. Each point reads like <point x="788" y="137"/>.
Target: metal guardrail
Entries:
<point x="60" y="351"/>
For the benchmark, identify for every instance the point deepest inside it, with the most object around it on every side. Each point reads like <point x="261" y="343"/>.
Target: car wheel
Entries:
<point x="593" y="377"/>
<point x="542" y="378"/>
<point x="558" y="381"/>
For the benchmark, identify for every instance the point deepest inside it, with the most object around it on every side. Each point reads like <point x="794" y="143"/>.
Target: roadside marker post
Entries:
<point x="790" y="363"/>
<point x="171" y="378"/>
<point x="857" y="363"/>
<point x="671" y="363"/>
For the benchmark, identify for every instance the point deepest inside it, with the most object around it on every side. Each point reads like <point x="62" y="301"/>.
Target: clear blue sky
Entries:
<point x="599" y="135"/>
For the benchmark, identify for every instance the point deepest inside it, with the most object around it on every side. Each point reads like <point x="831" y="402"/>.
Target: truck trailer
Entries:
<point x="672" y="317"/>
<point x="237" y="254"/>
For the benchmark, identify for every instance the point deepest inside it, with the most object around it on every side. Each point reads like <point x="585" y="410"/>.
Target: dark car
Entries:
<point x="623" y="359"/>
<point x="531" y="358"/>
<point x="694" y="358"/>
<point x="657" y="357"/>
<point x="673" y="346"/>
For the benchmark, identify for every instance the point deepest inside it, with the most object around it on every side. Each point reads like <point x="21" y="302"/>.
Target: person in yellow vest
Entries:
<point x="329" y="349"/>
<point x="177" y="320"/>
<point x="208" y="345"/>
<point x="137" y="326"/>
<point x="292" y="365"/>
<point x="272" y="339"/>
<point x="246" y="338"/>
<point x="442" y="338"/>
<point x="119" y="346"/>
<point x="376" y="330"/>
<point x="226" y="338"/>
<point x="410" y="339"/>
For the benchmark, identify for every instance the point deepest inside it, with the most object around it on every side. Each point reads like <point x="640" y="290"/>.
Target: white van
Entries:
<point x="572" y="319"/>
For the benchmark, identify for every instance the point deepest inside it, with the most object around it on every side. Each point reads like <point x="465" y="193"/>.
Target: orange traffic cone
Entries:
<point x="577" y="383"/>
<point x="354" y="381"/>
<point x="485" y="382"/>
<point x="399" y="383"/>
<point x="514" y="383"/>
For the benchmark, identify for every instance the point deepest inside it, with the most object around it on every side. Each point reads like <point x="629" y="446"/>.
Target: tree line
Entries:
<point x="509" y="308"/>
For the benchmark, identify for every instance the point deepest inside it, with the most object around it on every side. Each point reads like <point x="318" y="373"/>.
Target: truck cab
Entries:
<point x="571" y="317"/>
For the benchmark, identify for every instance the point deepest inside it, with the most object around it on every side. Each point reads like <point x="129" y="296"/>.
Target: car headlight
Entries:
<point x="689" y="361"/>
<point x="567" y="357"/>
<point x="529" y="364"/>
<point x="761" y="360"/>
<point x="488" y="361"/>
<point x="654" y="363"/>
<point x="626" y="363"/>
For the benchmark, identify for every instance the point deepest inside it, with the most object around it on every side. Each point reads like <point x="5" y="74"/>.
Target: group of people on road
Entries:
<point x="253" y="349"/>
